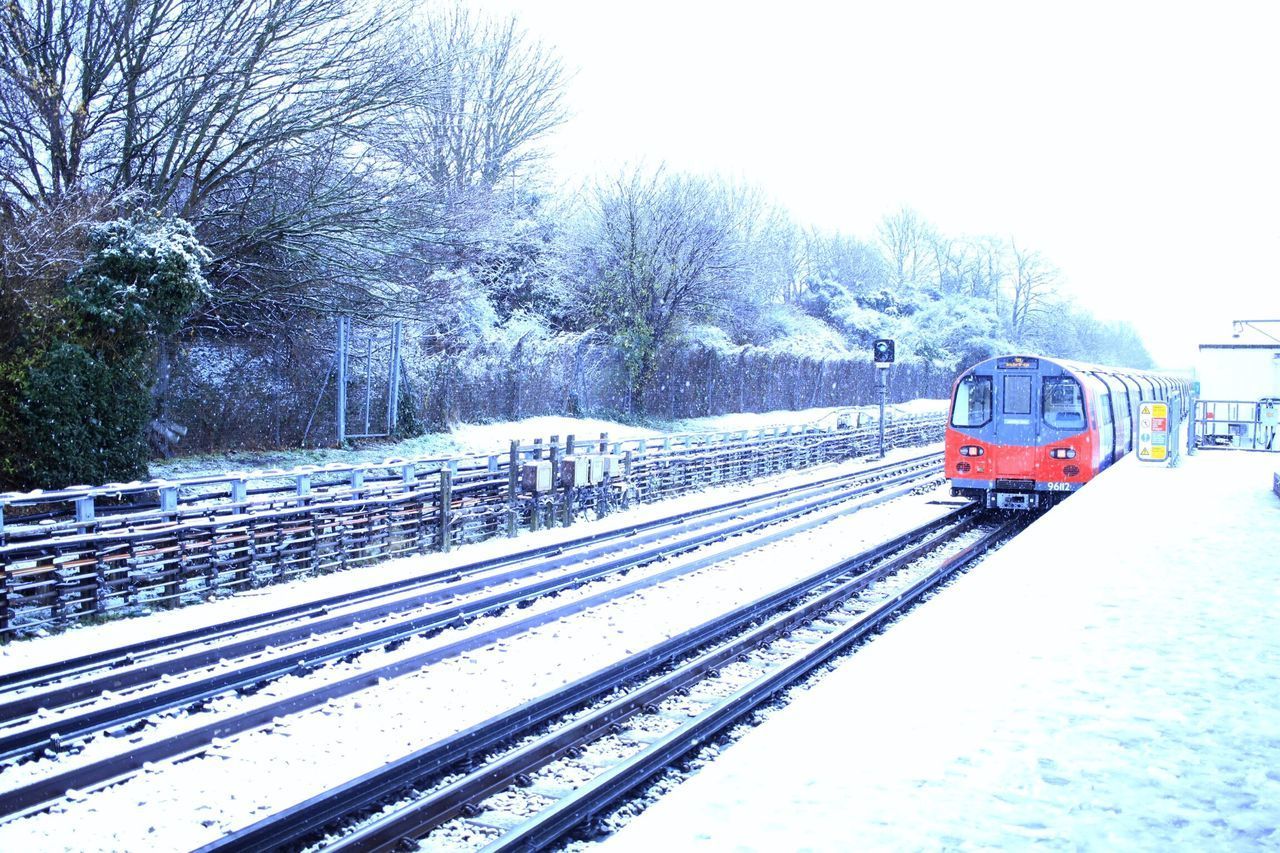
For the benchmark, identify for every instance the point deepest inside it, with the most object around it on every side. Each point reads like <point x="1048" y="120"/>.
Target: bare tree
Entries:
<point x="180" y="99"/>
<point x="986" y="269"/>
<point x="249" y="118"/>
<point x="906" y="241"/>
<point x="1034" y="282"/>
<point x="489" y="95"/>
<point x="660" y="251"/>
<point x="851" y="262"/>
<point x="773" y="243"/>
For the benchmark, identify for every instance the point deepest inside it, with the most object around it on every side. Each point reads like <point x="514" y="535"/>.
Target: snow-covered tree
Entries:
<point x="659" y="252"/>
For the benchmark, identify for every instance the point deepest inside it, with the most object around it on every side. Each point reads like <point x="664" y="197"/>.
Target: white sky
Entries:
<point x="1135" y="144"/>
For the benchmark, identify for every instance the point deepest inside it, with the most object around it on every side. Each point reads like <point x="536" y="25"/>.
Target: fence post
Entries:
<point x="239" y="494"/>
<point x="169" y="499"/>
<point x="4" y="588"/>
<point x="570" y="491"/>
<point x="556" y="458"/>
<point x="446" y="501"/>
<point x="626" y="474"/>
<point x="513" y="485"/>
<point x="5" y="614"/>
<point x="85" y="510"/>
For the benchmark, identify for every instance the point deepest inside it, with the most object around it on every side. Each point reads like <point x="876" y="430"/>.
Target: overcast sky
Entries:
<point x="1134" y="144"/>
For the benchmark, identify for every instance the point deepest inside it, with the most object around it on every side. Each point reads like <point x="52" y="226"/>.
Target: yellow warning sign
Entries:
<point x="1154" y="437"/>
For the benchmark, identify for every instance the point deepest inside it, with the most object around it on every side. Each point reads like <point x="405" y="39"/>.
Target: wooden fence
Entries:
<point x="121" y="549"/>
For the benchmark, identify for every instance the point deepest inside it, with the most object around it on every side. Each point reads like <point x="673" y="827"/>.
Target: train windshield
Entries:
<point x="973" y="402"/>
<point x="1062" y="402"/>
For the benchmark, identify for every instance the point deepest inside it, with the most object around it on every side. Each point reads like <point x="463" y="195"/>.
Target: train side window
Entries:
<point x="1017" y="395"/>
<point x="973" y="402"/>
<point x="1062" y="402"/>
<point x="1104" y="405"/>
<point x="1132" y="395"/>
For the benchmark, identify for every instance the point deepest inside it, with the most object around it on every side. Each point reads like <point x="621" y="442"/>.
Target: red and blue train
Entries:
<point x="1026" y="431"/>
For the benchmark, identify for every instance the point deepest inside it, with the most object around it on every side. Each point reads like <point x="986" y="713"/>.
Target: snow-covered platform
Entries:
<point x="1111" y="679"/>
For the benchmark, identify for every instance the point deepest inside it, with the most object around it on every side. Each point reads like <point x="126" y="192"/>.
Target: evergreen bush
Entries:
<point x="75" y="385"/>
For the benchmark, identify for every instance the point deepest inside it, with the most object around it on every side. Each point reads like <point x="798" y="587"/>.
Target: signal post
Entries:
<point x="882" y="357"/>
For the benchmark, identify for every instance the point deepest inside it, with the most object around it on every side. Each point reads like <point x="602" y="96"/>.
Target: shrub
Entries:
<point x="75" y="389"/>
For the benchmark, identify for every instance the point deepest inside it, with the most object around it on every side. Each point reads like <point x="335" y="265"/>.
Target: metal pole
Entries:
<point x="342" y="381"/>
<point x="1191" y="425"/>
<point x="368" y="379"/>
<point x="882" y="379"/>
<point x="393" y="381"/>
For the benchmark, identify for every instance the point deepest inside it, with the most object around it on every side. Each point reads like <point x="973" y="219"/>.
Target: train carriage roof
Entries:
<point x="1081" y="367"/>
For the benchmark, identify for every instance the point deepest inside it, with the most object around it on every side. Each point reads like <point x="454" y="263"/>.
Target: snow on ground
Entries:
<point x="191" y="803"/>
<point x="1109" y="680"/>
<point x="822" y="417"/>
<point x="484" y="439"/>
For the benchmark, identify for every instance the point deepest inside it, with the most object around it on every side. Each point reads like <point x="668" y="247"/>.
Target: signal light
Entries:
<point x="1062" y="453"/>
<point x="971" y="450"/>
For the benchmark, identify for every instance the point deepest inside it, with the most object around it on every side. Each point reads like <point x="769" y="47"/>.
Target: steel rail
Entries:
<point x="58" y="732"/>
<point x="127" y="654"/>
<point x="591" y="799"/>
<point x="390" y="831"/>
<point x="291" y="826"/>
<point x="43" y="792"/>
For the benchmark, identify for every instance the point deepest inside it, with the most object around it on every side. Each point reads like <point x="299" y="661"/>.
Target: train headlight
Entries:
<point x="971" y="450"/>
<point x="1062" y="453"/>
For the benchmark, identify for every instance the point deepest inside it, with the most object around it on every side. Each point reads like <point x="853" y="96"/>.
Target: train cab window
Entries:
<point x="1062" y="402"/>
<point x="973" y="402"/>
<point x="1017" y="395"/>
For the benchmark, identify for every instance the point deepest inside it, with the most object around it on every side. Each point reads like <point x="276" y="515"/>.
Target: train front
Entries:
<point x="1018" y="436"/>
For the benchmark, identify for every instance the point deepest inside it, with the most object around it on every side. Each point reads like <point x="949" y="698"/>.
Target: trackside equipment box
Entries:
<point x="575" y="471"/>
<point x="536" y="476"/>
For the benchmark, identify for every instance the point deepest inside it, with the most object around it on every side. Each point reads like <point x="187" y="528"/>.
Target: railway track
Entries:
<point x="109" y="660"/>
<point x="137" y="680"/>
<point x="525" y="778"/>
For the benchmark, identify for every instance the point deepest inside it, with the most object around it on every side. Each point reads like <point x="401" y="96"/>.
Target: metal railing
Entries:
<point x="127" y="548"/>
<point x="1238" y="424"/>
